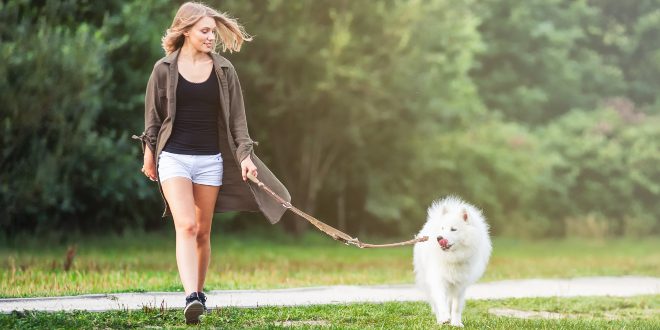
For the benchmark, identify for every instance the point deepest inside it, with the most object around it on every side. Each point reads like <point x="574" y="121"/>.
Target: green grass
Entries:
<point x="146" y="262"/>
<point x="641" y="312"/>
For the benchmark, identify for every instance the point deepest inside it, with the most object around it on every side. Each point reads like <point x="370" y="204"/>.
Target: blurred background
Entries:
<point x="544" y="113"/>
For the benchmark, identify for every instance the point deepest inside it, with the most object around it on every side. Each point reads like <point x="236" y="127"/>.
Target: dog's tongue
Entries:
<point x="443" y="242"/>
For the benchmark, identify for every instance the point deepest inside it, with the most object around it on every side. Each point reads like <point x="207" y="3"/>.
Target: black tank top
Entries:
<point x="195" y="130"/>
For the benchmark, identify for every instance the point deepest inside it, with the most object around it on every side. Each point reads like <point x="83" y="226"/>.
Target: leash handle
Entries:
<point x="253" y="178"/>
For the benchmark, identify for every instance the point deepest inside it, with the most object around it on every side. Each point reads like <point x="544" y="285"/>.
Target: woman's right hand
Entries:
<point x="149" y="167"/>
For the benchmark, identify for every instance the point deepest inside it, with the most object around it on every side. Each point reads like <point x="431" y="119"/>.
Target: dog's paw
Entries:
<point x="443" y="320"/>
<point x="457" y="324"/>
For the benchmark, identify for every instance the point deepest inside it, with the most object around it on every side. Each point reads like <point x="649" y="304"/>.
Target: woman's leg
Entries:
<point x="205" y="198"/>
<point x="179" y="194"/>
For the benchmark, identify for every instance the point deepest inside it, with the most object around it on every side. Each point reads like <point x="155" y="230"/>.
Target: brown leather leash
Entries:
<point x="336" y="234"/>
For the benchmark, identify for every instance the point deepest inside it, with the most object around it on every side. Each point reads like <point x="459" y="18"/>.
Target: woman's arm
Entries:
<point x="152" y="123"/>
<point x="152" y="120"/>
<point x="238" y="125"/>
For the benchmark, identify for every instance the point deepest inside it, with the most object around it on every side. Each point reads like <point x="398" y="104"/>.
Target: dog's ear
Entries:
<point x="465" y="216"/>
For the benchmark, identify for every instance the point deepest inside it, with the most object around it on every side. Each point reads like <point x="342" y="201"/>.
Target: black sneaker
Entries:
<point x="194" y="308"/>
<point x="202" y="299"/>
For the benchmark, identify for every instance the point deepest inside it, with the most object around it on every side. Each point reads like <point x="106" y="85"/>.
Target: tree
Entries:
<point x="336" y="88"/>
<point x="536" y="65"/>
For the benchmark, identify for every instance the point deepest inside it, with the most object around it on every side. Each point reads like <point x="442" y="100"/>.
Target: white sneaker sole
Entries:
<point x="193" y="311"/>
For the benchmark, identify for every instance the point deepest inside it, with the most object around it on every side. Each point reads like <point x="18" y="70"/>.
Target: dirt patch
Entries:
<point x="520" y="314"/>
<point x="319" y="323"/>
<point x="608" y="315"/>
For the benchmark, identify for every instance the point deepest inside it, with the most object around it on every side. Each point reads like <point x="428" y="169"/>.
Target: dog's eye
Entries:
<point x="453" y="229"/>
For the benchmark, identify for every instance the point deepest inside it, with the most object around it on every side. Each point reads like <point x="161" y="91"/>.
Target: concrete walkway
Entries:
<point x="587" y="286"/>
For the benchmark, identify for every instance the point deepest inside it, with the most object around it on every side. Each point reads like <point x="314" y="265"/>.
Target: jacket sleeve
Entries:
<point x="238" y="122"/>
<point x="152" y="119"/>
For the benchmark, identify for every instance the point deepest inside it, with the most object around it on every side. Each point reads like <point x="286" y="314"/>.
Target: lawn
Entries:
<point x="641" y="312"/>
<point x="146" y="262"/>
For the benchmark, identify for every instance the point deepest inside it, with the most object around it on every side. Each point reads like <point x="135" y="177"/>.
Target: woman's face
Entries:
<point x="201" y="35"/>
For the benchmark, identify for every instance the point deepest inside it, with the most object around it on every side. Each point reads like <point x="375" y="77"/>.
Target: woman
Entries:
<point x="196" y="143"/>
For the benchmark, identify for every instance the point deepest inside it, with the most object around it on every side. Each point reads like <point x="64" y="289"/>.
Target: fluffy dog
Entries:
<point x="455" y="256"/>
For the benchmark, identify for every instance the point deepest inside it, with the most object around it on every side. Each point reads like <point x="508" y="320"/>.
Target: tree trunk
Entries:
<point x="314" y="163"/>
<point x="341" y="206"/>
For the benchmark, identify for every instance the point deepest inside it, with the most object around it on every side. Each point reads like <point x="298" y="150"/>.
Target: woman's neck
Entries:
<point x="192" y="55"/>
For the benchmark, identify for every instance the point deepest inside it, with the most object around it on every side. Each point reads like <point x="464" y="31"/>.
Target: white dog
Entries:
<point x="455" y="256"/>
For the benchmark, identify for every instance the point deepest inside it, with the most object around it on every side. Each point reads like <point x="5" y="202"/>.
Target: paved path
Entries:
<point x="587" y="286"/>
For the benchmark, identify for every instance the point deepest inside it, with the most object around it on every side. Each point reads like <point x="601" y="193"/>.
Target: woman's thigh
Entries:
<point x="205" y="198"/>
<point x="178" y="192"/>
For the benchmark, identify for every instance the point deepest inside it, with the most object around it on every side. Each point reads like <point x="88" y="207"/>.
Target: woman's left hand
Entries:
<point x="247" y="166"/>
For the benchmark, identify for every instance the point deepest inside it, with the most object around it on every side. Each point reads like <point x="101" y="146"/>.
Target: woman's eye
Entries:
<point x="453" y="229"/>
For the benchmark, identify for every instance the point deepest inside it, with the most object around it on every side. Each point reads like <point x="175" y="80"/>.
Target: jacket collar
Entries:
<point x="217" y="59"/>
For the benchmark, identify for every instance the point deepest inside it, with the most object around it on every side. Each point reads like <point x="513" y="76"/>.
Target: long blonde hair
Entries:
<point x="230" y="34"/>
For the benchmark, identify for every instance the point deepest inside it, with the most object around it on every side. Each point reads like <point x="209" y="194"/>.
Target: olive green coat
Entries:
<point x="234" y="141"/>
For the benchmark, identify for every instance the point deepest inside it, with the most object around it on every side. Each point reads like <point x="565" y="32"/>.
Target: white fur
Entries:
<point x="444" y="275"/>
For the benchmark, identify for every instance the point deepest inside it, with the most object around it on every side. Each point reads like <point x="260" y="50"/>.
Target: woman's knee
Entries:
<point x="203" y="236"/>
<point x="188" y="228"/>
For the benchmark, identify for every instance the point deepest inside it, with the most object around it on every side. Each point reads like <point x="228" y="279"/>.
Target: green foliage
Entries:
<point x="130" y="61"/>
<point x="500" y="167"/>
<point x="624" y="34"/>
<point x="608" y="165"/>
<point x="536" y="64"/>
<point x="57" y="170"/>
<point x="46" y="121"/>
<point x="366" y="110"/>
<point x="339" y="89"/>
<point x="543" y="58"/>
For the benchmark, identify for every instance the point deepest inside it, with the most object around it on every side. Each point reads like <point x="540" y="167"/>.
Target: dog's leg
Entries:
<point x="441" y="306"/>
<point x="457" y="303"/>
<point x="429" y="296"/>
<point x="438" y="300"/>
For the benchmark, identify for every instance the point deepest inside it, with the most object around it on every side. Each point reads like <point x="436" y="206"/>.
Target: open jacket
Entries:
<point x="234" y="141"/>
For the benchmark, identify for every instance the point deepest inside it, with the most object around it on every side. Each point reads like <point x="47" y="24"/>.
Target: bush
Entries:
<point x="383" y="113"/>
<point x="500" y="167"/>
<point x="591" y="174"/>
<point x="608" y="166"/>
<point x="57" y="170"/>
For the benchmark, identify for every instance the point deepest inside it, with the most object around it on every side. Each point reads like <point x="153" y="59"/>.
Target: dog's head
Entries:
<point x="448" y="224"/>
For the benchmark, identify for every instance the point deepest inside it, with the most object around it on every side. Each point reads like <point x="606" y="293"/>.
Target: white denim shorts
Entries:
<point x="200" y="169"/>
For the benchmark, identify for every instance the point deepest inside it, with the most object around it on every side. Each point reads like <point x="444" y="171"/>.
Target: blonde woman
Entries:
<point x="196" y="142"/>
